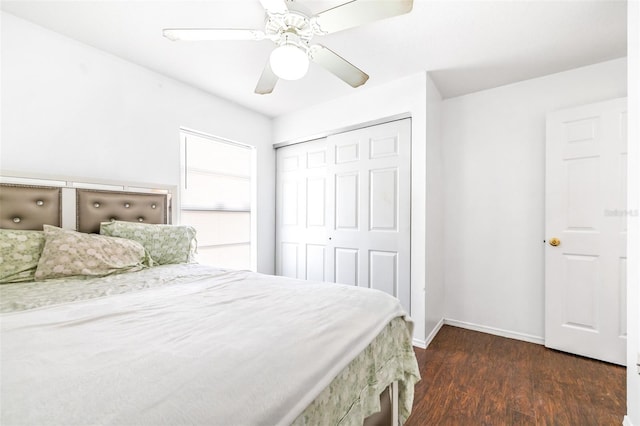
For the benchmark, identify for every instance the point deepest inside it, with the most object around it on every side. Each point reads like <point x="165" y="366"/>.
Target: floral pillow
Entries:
<point x="69" y="253"/>
<point x="19" y="254"/>
<point x="166" y="244"/>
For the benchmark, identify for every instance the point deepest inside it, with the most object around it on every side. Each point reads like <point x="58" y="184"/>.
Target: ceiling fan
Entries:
<point x="291" y="27"/>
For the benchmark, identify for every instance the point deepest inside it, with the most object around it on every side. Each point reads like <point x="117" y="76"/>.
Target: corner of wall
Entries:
<point x="633" y="204"/>
<point x="434" y="294"/>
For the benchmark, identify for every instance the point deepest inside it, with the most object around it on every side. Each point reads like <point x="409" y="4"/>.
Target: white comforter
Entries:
<point x="237" y="348"/>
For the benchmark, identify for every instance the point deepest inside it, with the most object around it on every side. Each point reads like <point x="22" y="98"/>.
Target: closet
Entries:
<point x="343" y="209"/>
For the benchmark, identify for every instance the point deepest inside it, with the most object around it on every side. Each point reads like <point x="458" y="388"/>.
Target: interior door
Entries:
<point x="344" y="209"/>
<point x="585" y="250"/>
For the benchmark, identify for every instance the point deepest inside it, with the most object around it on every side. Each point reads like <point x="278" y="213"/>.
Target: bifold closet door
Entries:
<point x="344" y="209"/>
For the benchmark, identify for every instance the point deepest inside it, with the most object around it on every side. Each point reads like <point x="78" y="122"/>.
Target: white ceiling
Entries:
<point x="466" y="45"/>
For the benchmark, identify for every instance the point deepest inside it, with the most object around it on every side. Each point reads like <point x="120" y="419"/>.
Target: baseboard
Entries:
<point x="423" y="344"/>
<point x="627" y="421"/>
<point x="434" y="332"/>
<point x="419" y="343"/>
<point x="496" y="331"/>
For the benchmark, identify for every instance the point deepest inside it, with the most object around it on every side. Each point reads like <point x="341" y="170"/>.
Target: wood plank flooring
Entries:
<point x="471" y="378"/>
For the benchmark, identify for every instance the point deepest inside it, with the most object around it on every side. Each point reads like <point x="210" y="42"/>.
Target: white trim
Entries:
<point x="419" y="343"/>
<point x="10" y="176"/>
<point x="214" y="138"/>
<point x="496" y="331"/>
<point x="434" y="332"/>
<point x="357" y="126"/>
<point x="424" y="344"/>
<point x="626" y="421"/>
<point x="69" y="208"/>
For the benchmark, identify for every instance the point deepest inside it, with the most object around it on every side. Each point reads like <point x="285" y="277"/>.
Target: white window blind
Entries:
<point x="216" y="197"/>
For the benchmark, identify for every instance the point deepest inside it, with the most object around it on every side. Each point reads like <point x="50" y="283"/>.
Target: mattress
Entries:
<point x="190" y="344"/>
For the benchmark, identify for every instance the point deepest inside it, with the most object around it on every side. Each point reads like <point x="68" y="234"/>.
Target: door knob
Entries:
<point x="554" y="241"/>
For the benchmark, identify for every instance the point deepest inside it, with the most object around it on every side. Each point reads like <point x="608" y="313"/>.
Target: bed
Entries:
<point x="169" y="341"/>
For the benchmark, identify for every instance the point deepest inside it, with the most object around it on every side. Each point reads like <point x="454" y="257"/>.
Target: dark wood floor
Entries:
<point x="471" y="378"/>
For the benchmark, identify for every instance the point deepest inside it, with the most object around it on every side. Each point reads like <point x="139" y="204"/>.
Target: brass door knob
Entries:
<point x="554" y="241"/>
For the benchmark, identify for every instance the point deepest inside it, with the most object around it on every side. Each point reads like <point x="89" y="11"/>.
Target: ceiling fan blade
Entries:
<point x="339" y="66"/>
<point x="199" y="34"/>
<point x="267" y="81"/>
<point x="275" y="6"/>
<point x="360" y="12"/>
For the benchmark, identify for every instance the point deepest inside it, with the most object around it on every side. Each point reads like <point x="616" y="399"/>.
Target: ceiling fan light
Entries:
<point x="289" y="62"/>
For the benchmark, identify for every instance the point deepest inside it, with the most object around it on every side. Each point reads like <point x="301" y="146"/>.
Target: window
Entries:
<point x="215" y="198"/>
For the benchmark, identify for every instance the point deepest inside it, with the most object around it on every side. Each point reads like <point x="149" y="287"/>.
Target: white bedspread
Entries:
<point x="216" y="351"/>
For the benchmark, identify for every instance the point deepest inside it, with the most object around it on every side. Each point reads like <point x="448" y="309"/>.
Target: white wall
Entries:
<point x="633" y="229"/>
<point x="494" y="145"/>
<point x="408" y="95"/>
<point x="435" y="291"/>
<point x="70" y="109"/>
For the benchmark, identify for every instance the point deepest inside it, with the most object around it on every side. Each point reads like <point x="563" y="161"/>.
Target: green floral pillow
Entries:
<point x="19" y="255"/>
<point x="166" y="244"/>
<point x="69" y="253"/>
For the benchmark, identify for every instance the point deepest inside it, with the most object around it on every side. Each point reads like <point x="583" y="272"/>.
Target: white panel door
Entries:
<point x="301" y="211"/>
<point x="585" y="257"/>
<point x="369" y="204"/>
<point x="344" y="209"/>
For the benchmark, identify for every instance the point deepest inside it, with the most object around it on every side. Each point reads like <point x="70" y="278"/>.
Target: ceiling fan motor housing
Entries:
<point x="291" y="28"/>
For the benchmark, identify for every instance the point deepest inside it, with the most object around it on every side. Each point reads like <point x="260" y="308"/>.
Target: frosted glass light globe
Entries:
<point x="289" y="62"/>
